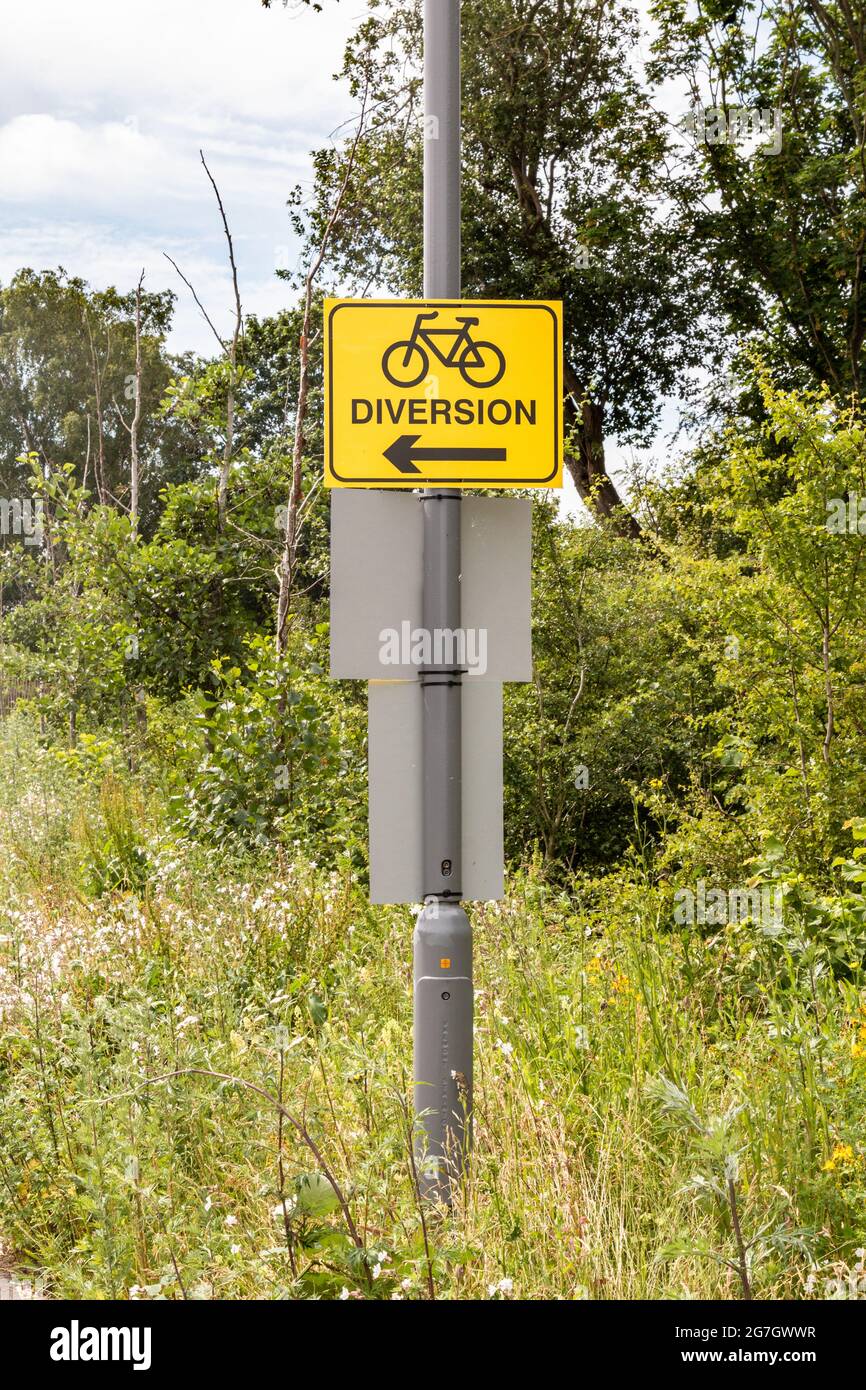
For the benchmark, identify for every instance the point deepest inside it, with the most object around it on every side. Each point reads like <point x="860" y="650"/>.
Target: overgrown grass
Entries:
<point x="658" y="1113"/>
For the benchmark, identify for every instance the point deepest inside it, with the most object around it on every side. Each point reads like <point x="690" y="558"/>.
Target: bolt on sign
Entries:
<point x="463" y="392"/>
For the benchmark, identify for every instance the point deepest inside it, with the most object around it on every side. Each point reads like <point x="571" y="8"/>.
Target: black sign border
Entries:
<point x="400" y="484"/>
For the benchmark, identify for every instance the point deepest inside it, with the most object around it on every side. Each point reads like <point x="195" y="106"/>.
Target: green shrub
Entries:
<point x="263" y="759"/>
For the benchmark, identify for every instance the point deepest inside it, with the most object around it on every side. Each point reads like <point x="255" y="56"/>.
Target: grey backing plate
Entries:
<point x="376" y="577"/>
<point x="395" y="775"/>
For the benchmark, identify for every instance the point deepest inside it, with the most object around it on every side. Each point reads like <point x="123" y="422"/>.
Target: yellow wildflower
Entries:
<point x="842" y="1157"/>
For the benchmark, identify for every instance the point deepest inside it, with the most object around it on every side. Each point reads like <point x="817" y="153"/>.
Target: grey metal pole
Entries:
<point x="443" y="942"/>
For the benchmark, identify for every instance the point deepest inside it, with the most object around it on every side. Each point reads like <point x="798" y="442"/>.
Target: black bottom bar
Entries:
<point x="198" y="1339"/>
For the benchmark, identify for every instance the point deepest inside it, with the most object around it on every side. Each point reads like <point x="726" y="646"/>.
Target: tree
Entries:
<point x="783" y="228"/>
<point x="227" y="373"/>
<point x="68" y="372"/>
<point x="563" y="177"/>
<point x="293" y="509"/>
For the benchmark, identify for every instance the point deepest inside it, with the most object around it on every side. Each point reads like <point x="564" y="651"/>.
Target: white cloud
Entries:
<point x="43" y="157"/>
<point x="112" y="167"/>
<point x="103" y="110"/>
<point x="219" y="56"/>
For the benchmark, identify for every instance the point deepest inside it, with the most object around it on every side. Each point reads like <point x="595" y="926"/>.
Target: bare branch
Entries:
<point x="293" y="513"/>
<point x="202" y="309"/>
<point x="232" y="353"/>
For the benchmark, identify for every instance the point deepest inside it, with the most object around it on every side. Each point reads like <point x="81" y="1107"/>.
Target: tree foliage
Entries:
<point x="784" y="230"/>
<point x="563" y="197"/>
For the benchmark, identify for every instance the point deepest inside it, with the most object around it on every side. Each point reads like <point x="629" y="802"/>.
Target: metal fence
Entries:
<point x="13" y="691"/>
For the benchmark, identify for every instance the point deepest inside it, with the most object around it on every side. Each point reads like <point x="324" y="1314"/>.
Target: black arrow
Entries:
<point x="403" y="454"/>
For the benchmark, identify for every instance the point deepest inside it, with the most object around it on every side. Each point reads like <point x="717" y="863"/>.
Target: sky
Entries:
<point x="104" y="107"/>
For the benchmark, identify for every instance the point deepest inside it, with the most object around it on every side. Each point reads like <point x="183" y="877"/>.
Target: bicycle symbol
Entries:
<point x="407" y="362"/>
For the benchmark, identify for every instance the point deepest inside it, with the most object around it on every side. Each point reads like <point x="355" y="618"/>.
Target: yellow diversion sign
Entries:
<point x="463" y="392"/>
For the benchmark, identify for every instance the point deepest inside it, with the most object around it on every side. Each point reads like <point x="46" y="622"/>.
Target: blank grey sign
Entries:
<point x="376" y="577"/>
<point x="496" y="579"/>
<point x="394" y="717"/>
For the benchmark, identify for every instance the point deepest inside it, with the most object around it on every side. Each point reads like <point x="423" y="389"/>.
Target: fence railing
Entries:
<point x="13" y="691"/>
